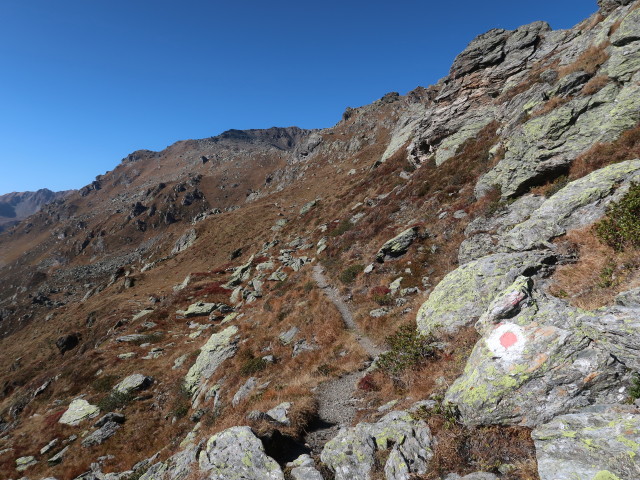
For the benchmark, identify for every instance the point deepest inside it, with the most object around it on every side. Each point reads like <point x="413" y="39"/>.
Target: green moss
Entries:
<point x="606" y="475"/>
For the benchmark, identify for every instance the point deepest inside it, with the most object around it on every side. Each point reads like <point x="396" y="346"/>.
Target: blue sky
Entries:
<point x="85" y="82"/>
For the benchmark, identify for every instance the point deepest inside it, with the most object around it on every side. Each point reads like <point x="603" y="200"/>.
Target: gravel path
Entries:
<point x="336" y="405"/>
<point x="332" y="293"/>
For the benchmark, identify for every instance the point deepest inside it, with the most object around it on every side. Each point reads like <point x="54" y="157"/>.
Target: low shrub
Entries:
<point x="382" y="295"/>
<point x="621" y="227"/>
<point x="114" y="401"/>
<point x="408" y="349"/>
<point x="252" y="365"/>
<point x="349" y="274"/>
<point x="104" y="383"/>
<point x="342" y="227"/>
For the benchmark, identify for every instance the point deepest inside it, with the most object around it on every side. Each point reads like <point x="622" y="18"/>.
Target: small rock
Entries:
<point x="244" y="391"/>
<point x="49" y="446"/>
<point x="24" y="463"/>
<point x="379" y="312"/>
<point x="288" y="336"/>
<point x="58" y="457"/>
<point x="280" y="413"/>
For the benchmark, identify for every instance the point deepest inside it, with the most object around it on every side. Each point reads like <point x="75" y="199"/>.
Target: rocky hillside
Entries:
<point x="17" y="206"/>
<point x="443" y="285"/>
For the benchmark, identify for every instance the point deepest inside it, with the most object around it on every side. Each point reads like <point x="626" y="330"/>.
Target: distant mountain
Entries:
<point x="17" y="206"/>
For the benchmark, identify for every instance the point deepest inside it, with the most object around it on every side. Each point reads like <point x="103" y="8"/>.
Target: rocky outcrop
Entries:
<point x="598" y="443"/>
<point x="350" y="455"/>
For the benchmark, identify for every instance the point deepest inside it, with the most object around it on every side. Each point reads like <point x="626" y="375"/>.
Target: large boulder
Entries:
<point x="534" y="361"/>
<point x="464" y="294"/>
<point x="351" y="454"/>
<point x="237" y="454"/>
<point x="598" y="443"/>
<point x="78" y="411"/>
<point x="304" y="468"/>
<point x="218" y="348"/>
<point x="185" y="241"/>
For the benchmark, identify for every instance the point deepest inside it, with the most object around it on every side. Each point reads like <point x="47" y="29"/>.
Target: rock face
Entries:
<point x="236" y="454"/>
<point x="78" y="411"/>
<point x="350" y="455"/>
<point x="600" y="443"/>
<point x="218" y="348"/>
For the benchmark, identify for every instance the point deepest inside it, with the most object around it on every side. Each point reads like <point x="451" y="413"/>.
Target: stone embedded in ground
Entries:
<point x="199" y="309"/>
<point x="110" y="417"/>
<point x="237" y="454"/>
<point x="133" y="383"/>
<point x="219" y="347"/>
<point x="185" y="241"/>
<point x="58" y="457"/>
<point x="597" y="443"/>
<point x="288" y="336"/>
<point x="98" y="437"/>
<point x="280" y="413"/>
<point x="244" y="391"/>
<point x="78" y="411"/>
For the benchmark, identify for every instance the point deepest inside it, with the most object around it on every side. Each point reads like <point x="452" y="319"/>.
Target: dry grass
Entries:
<point x="599" y="273"/>
<point x="595" y="84"/>
<point x="550" y="105"/>
<point x="625" y="147"/>
<point x="588" y="61"/>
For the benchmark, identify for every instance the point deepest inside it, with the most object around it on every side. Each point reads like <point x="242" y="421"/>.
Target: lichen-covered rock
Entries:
<point x="398" y="245"/>
<point x="23" y="463"/>
<point x="598" y="443"/>
<point x="578" y="204"/>
<point x="464" y="294"/>
<point x="306" y="208"/>
<point x="287" y="337"/>
<point x="304" y="468"/>
<point x="535" y="361"/>
<point x="218" y="348"/>
<point x="607" y="5"/>
<point x="240" y="274"/>
<point x="623" y="62"/>
<point x="450" y="145"/>
<point x="176" y="467"/>
<point x="133" y="383"/>
<point x="350" y="455"/>
<point x="78" y="411"/>
<point x="472" y="476"/>
<point x="237" y="454"/>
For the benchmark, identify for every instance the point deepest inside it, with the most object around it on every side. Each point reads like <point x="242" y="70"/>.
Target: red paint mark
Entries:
<point x="508" y="339"/>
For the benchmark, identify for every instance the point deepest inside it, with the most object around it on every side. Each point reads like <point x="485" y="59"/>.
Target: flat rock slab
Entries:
<point x="599" y="443"/>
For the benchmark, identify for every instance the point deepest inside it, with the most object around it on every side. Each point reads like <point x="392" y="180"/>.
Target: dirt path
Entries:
<point x="336" y="405"/>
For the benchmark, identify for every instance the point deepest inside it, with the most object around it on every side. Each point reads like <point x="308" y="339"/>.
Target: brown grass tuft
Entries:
<point x="588" y="61"/>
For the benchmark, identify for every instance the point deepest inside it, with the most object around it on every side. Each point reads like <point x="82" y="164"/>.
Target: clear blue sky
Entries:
<point x="85" y="82"/>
